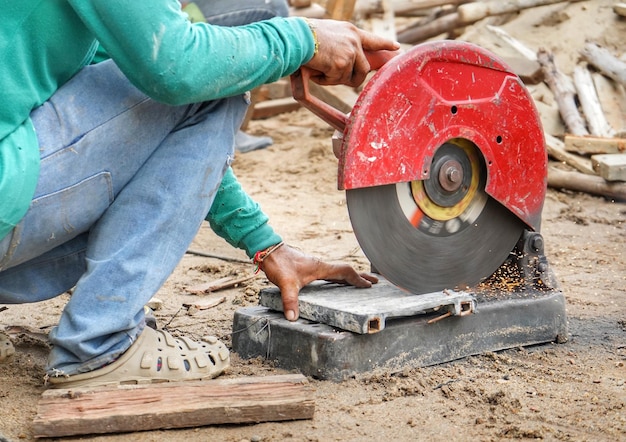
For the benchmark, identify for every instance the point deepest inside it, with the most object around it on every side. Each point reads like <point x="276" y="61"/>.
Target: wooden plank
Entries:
<point x="340" y="97"/>
<point x="594" y="145"/>
<point x="556" y="150"/>
<point x="313" y="11"/>
<point x="340" y="9"/>
<point x="278" y="89"/>
<point x="611" y="167"/>
<point x="82" y="411"/>
<point x="270" y="108"/>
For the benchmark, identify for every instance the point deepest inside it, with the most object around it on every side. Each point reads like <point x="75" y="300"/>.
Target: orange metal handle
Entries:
<point x="334" y="117"/>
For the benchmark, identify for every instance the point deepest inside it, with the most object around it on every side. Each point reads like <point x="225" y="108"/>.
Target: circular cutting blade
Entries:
<point x="444" y="232"/>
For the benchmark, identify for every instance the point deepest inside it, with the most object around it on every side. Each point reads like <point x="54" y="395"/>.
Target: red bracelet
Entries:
<point x="262" y="254"/>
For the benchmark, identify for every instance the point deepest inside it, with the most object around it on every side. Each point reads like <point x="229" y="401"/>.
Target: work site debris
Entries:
<point x="220" y="284"/>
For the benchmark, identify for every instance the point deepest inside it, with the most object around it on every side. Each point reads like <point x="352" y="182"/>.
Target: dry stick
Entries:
<point x="466" y="14"/>
<point x="520" y="47"/>
<point x="219" y="284"/>
<point x="605" y="62"/>
<point x="613" y="98"/>
<point x="590" y="103"/>
<point x="408" y="7"/>
<point x="425" y="19"/>
<point x="563" y="93"/>
<point x="560" y="179"/>
<point x="421" y="32"/>
<point x="472" y="12"/>
<point x="223" y="258"/>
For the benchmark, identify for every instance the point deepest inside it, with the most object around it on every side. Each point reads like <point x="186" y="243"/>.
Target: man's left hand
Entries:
<point x="290" y="270"/>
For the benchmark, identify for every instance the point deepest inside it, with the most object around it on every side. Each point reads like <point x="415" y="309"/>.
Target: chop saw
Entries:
<point x="443" y="162"/>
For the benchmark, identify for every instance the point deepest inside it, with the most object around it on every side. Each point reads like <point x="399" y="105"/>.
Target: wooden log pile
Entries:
<point x="591" y="147"/>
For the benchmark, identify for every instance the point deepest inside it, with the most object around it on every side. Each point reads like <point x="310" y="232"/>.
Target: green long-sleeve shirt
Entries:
<point x="43" y="43"/>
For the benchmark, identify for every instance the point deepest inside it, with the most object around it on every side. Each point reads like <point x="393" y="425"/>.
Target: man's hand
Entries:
<point x="290" y="270"/>
<point x="341" y="58"/>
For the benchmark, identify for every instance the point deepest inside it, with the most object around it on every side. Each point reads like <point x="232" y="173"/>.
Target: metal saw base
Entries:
<point x="500" y="321"/>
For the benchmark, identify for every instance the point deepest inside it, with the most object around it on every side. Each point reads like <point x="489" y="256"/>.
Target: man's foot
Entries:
<point x="6" y="347"/>
<point x="156" y="356"/>
<point x="247" y="143"/>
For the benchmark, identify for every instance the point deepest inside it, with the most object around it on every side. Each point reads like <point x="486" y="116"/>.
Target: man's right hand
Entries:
<point x="341" y="57"/>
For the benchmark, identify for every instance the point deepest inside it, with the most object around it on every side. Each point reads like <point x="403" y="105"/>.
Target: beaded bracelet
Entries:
<point x="262" y="254"/>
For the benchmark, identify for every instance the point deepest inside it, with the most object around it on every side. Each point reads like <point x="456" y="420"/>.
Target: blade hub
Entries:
<point x="451" y="175"/>
<point x="453" y="183"/>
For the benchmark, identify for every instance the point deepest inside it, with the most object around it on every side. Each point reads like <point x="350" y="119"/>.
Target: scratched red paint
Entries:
<point x="433" y="93"/>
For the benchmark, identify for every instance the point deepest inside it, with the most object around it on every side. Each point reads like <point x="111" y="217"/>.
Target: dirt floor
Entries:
<point x="574" y="391"/>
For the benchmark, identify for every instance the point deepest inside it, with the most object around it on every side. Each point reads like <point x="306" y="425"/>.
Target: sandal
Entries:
<point x="156" y="356"/>
<point x="6" y="347"/>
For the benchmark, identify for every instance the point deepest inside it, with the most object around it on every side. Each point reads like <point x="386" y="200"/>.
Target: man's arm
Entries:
<point x="238" y="219"/>
<point x="178" y="62"/>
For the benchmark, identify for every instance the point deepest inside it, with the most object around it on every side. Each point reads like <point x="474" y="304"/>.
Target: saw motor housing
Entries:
<point x="442" y="91"/>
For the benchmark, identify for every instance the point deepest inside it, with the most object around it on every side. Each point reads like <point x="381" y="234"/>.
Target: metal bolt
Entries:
<point x="451" y="175"/>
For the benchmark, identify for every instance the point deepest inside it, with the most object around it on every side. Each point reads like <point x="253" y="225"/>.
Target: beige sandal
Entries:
<point x="6" y="347"/>
<point x="156" y="356"/>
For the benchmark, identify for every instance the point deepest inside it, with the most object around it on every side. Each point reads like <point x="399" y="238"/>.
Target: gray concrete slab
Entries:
<point x="367" y="311"/>
<point x="326" y="352"/>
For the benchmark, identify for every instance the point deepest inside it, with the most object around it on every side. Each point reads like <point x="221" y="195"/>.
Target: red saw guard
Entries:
<point x="436" y="92"/>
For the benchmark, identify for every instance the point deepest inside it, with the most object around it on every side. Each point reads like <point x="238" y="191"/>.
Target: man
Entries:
<point x="107" y="170"/>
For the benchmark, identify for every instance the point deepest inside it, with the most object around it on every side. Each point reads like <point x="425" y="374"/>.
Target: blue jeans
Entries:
<point x="125" y="184"/>
<point x="241" y="12"/>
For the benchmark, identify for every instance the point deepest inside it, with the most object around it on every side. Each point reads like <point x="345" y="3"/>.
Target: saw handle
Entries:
<point x="331" y="115"/>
